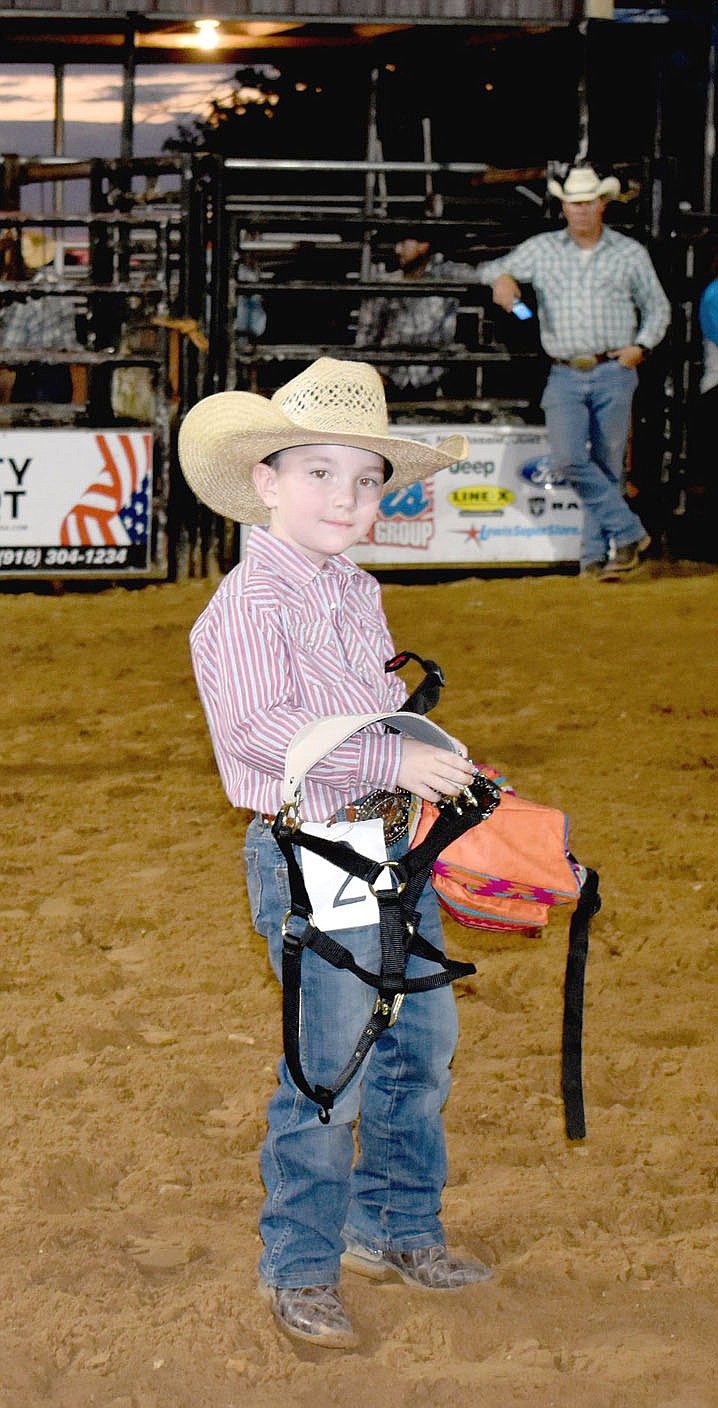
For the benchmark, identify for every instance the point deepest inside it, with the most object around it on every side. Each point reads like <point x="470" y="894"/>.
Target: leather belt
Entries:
<point x="583" y="362"/>
<point x="394" y="808"/>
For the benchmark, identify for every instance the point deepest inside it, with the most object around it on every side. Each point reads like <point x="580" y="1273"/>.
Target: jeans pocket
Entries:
<point x="282" y="895"/>
<point x="267" y="885"/>
<point x="253" y="876"/>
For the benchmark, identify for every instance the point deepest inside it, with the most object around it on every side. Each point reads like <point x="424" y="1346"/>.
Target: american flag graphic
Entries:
<point x="115" y="507"/>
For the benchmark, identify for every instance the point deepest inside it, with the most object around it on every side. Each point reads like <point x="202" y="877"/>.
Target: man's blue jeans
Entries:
<point x="588" y="418"/>
<point x="390" y="1194"/>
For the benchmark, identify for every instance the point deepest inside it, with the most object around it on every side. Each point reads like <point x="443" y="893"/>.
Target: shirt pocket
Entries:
<point x="318" y="659"/>
<point x="306" y="634"/>
<point x="372" y="650"/>
<point x="315" y="653"/>
<point x="611" y="282"/>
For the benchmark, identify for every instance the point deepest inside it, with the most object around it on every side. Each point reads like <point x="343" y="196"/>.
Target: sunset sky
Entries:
<point x="93" y="106"/>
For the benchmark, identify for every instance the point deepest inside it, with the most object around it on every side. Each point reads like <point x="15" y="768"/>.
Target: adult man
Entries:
<point x="601" y="311"/>
<point x="417" y="321"/>
<point x="40" y="321"/>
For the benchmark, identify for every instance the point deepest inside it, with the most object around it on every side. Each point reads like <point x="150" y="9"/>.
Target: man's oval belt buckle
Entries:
<point x="585" y="363"/>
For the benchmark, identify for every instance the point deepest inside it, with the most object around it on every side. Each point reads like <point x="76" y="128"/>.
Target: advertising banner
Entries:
<point x="501" y="506"/>
<point x="74" y="501"/>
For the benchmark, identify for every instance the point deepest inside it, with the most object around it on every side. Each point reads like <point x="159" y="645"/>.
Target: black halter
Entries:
<point x="399" y="935"/>
<point x="398" y="920"/>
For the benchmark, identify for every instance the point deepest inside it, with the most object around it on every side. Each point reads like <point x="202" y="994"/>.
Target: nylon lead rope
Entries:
<point x="589" y="904"/>
<point x="426" y="695"/>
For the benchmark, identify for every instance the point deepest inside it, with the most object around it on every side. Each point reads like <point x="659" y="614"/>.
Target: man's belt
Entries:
<point x="584" y="362"/>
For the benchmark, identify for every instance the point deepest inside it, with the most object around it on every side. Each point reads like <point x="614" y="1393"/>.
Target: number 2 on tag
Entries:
<point x="338" y="900"/>
<point x="342" y="898"/>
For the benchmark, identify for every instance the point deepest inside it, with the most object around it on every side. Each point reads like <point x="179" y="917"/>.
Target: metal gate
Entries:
<point x="191" y="274"/>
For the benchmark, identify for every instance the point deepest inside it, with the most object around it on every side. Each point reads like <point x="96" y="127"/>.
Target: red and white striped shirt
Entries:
<point x="283" y="642"/>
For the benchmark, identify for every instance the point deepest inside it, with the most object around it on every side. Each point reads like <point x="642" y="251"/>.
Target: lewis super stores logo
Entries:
<point x="406" y="518"/>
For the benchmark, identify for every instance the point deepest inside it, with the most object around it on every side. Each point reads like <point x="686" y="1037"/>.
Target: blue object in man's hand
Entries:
<point x="521" y="310"/>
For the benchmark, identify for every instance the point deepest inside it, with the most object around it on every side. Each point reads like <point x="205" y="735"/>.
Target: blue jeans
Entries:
<point x="588" y="418"/>
<point x="390" y="1194"/>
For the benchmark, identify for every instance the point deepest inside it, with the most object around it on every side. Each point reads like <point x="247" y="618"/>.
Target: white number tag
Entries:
<point x="338" y="900"/>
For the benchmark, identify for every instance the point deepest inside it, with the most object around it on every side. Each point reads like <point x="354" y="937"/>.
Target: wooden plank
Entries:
<point x="418" y="11"/>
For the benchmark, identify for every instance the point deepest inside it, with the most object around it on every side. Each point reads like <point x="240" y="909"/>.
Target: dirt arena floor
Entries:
<point x="140" y="1023"/>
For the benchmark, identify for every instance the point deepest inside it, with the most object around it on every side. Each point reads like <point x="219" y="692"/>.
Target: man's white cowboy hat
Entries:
<point x="331" y="402"/>
<point x="583" y="183"/>
<point x="37" y="249"/>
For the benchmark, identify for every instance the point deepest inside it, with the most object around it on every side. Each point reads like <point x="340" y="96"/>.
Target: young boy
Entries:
<point x="294" y="633"/>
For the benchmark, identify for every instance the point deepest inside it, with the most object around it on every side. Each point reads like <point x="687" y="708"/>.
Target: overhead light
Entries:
<point x="207" y="36"/>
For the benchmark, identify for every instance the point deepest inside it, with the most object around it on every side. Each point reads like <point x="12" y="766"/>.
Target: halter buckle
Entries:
<point x="388" y="865"/>
<point x="290" y="820"/>
<point x="384" y="1008"/>
<point x="288" y="938"/>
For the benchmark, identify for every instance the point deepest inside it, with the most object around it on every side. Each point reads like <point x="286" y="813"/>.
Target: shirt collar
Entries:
<point x="291" y="565"/>
<point x="605" y="237"/>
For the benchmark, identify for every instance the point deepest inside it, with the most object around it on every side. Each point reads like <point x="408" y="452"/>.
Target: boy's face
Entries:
<point x="321" y="498"/>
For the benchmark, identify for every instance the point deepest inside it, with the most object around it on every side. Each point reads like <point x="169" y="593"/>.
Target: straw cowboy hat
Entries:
<point x="37" y="249"/>
<point x="583" y="183"/>
<point x="331" y="402"/>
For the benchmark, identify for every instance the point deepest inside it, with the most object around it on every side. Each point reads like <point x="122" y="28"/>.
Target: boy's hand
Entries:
<point x="432" y="773"/>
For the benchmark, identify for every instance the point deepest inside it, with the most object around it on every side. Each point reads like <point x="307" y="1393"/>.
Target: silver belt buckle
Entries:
<point x="584" y="363"/>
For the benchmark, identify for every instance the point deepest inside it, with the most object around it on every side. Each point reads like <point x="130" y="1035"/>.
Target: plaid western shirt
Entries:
<point x="591" y="303"/>
<point x="281" y="643"/>
<point x="40" y="321"/>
